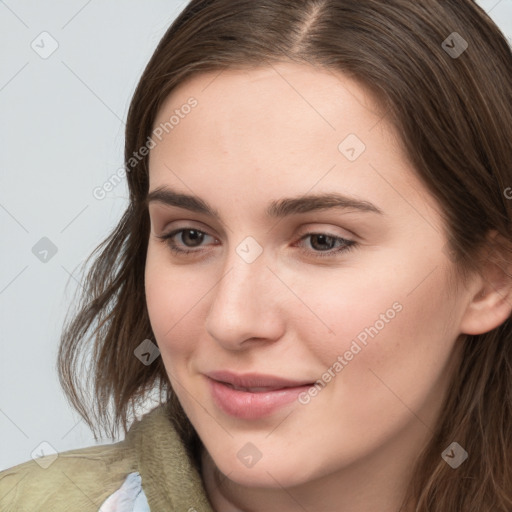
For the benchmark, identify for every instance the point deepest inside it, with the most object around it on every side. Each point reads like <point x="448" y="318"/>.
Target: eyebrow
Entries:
<point x="276" y="209"/>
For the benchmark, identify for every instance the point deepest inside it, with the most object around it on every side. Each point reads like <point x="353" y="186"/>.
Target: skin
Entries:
<point x="261" y="135"/>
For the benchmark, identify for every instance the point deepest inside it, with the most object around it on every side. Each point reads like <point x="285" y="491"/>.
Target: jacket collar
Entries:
<point x="170" y="479"/>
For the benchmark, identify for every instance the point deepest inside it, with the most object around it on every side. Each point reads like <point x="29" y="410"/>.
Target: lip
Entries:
<point x="254" y="380"/>
<point x="265" y="393"/>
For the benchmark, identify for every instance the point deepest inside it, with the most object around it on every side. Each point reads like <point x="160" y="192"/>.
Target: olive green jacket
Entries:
<point x="81" y="480"/>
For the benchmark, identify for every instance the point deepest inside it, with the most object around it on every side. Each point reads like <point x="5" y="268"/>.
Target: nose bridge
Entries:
<point x="242" y="306"/>
<point x="244" y="274"/>
<point x="245" y="263"/>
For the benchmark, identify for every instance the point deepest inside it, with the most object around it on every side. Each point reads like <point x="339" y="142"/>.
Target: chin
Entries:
<point x="271" y="472"/>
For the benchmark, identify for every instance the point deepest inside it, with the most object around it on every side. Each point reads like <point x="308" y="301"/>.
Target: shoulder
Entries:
<point x="78" y="480"/>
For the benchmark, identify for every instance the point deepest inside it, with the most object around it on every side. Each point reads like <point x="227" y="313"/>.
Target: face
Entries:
<point x="346" y="299"/>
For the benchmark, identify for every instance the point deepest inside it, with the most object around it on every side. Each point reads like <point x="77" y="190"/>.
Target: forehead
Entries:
<point x="278" y="112"/>
<point x="282" y="129"/>
<point x="294" y="85"/>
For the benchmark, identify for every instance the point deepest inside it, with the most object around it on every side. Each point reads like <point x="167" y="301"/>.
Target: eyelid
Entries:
<point x="161" y="217"/>
<point x="305" y="230"/>
<point x="308" y="230"/>
<point x="191" y="224"/>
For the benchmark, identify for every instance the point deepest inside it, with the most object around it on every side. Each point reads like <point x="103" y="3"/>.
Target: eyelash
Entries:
<point x="348" y="244"/>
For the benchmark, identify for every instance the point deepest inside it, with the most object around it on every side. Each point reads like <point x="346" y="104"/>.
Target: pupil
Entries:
<point x="322" y="239"/>
<point x="196" y="236"/>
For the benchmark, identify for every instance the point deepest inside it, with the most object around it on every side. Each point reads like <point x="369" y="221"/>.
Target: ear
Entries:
<point x="491" y="290"/>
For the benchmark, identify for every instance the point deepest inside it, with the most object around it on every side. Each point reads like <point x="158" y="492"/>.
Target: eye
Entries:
<point x="322" y="243"/>
<point x="192" y="235"/>
<point x="319" y="241"/>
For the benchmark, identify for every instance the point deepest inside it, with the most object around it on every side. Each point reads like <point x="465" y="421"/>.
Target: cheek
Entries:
<point x="380" y="320"/>
<point x="342" y="312"/>
<point x="174" y="297"/>
<point x="399" y="349"/>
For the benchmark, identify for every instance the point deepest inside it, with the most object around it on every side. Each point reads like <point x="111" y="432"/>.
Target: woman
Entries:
<point x="313" y="270"/>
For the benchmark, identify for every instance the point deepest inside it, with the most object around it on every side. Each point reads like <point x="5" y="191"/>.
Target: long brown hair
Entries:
<point x="453" y="113"/>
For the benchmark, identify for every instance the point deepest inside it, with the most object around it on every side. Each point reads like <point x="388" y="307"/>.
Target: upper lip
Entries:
<point x="255" y="380"/>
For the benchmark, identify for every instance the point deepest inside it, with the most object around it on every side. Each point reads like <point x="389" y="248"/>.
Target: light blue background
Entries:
<point x="61" y="131"/>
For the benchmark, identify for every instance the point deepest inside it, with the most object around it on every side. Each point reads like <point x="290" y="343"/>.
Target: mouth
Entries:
<point x="256" y="382"/>
<point x="254" y="389"/>
<point x="253" y="396"/>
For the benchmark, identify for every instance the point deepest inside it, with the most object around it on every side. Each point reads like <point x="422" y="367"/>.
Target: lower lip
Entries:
<point x="250" y="406"/>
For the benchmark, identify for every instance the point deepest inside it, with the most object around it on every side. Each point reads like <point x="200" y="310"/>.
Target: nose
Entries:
<point x="246" y="304"/>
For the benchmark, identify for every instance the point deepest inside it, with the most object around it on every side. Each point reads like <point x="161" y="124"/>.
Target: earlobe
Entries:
<point x="491" y="304"/>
